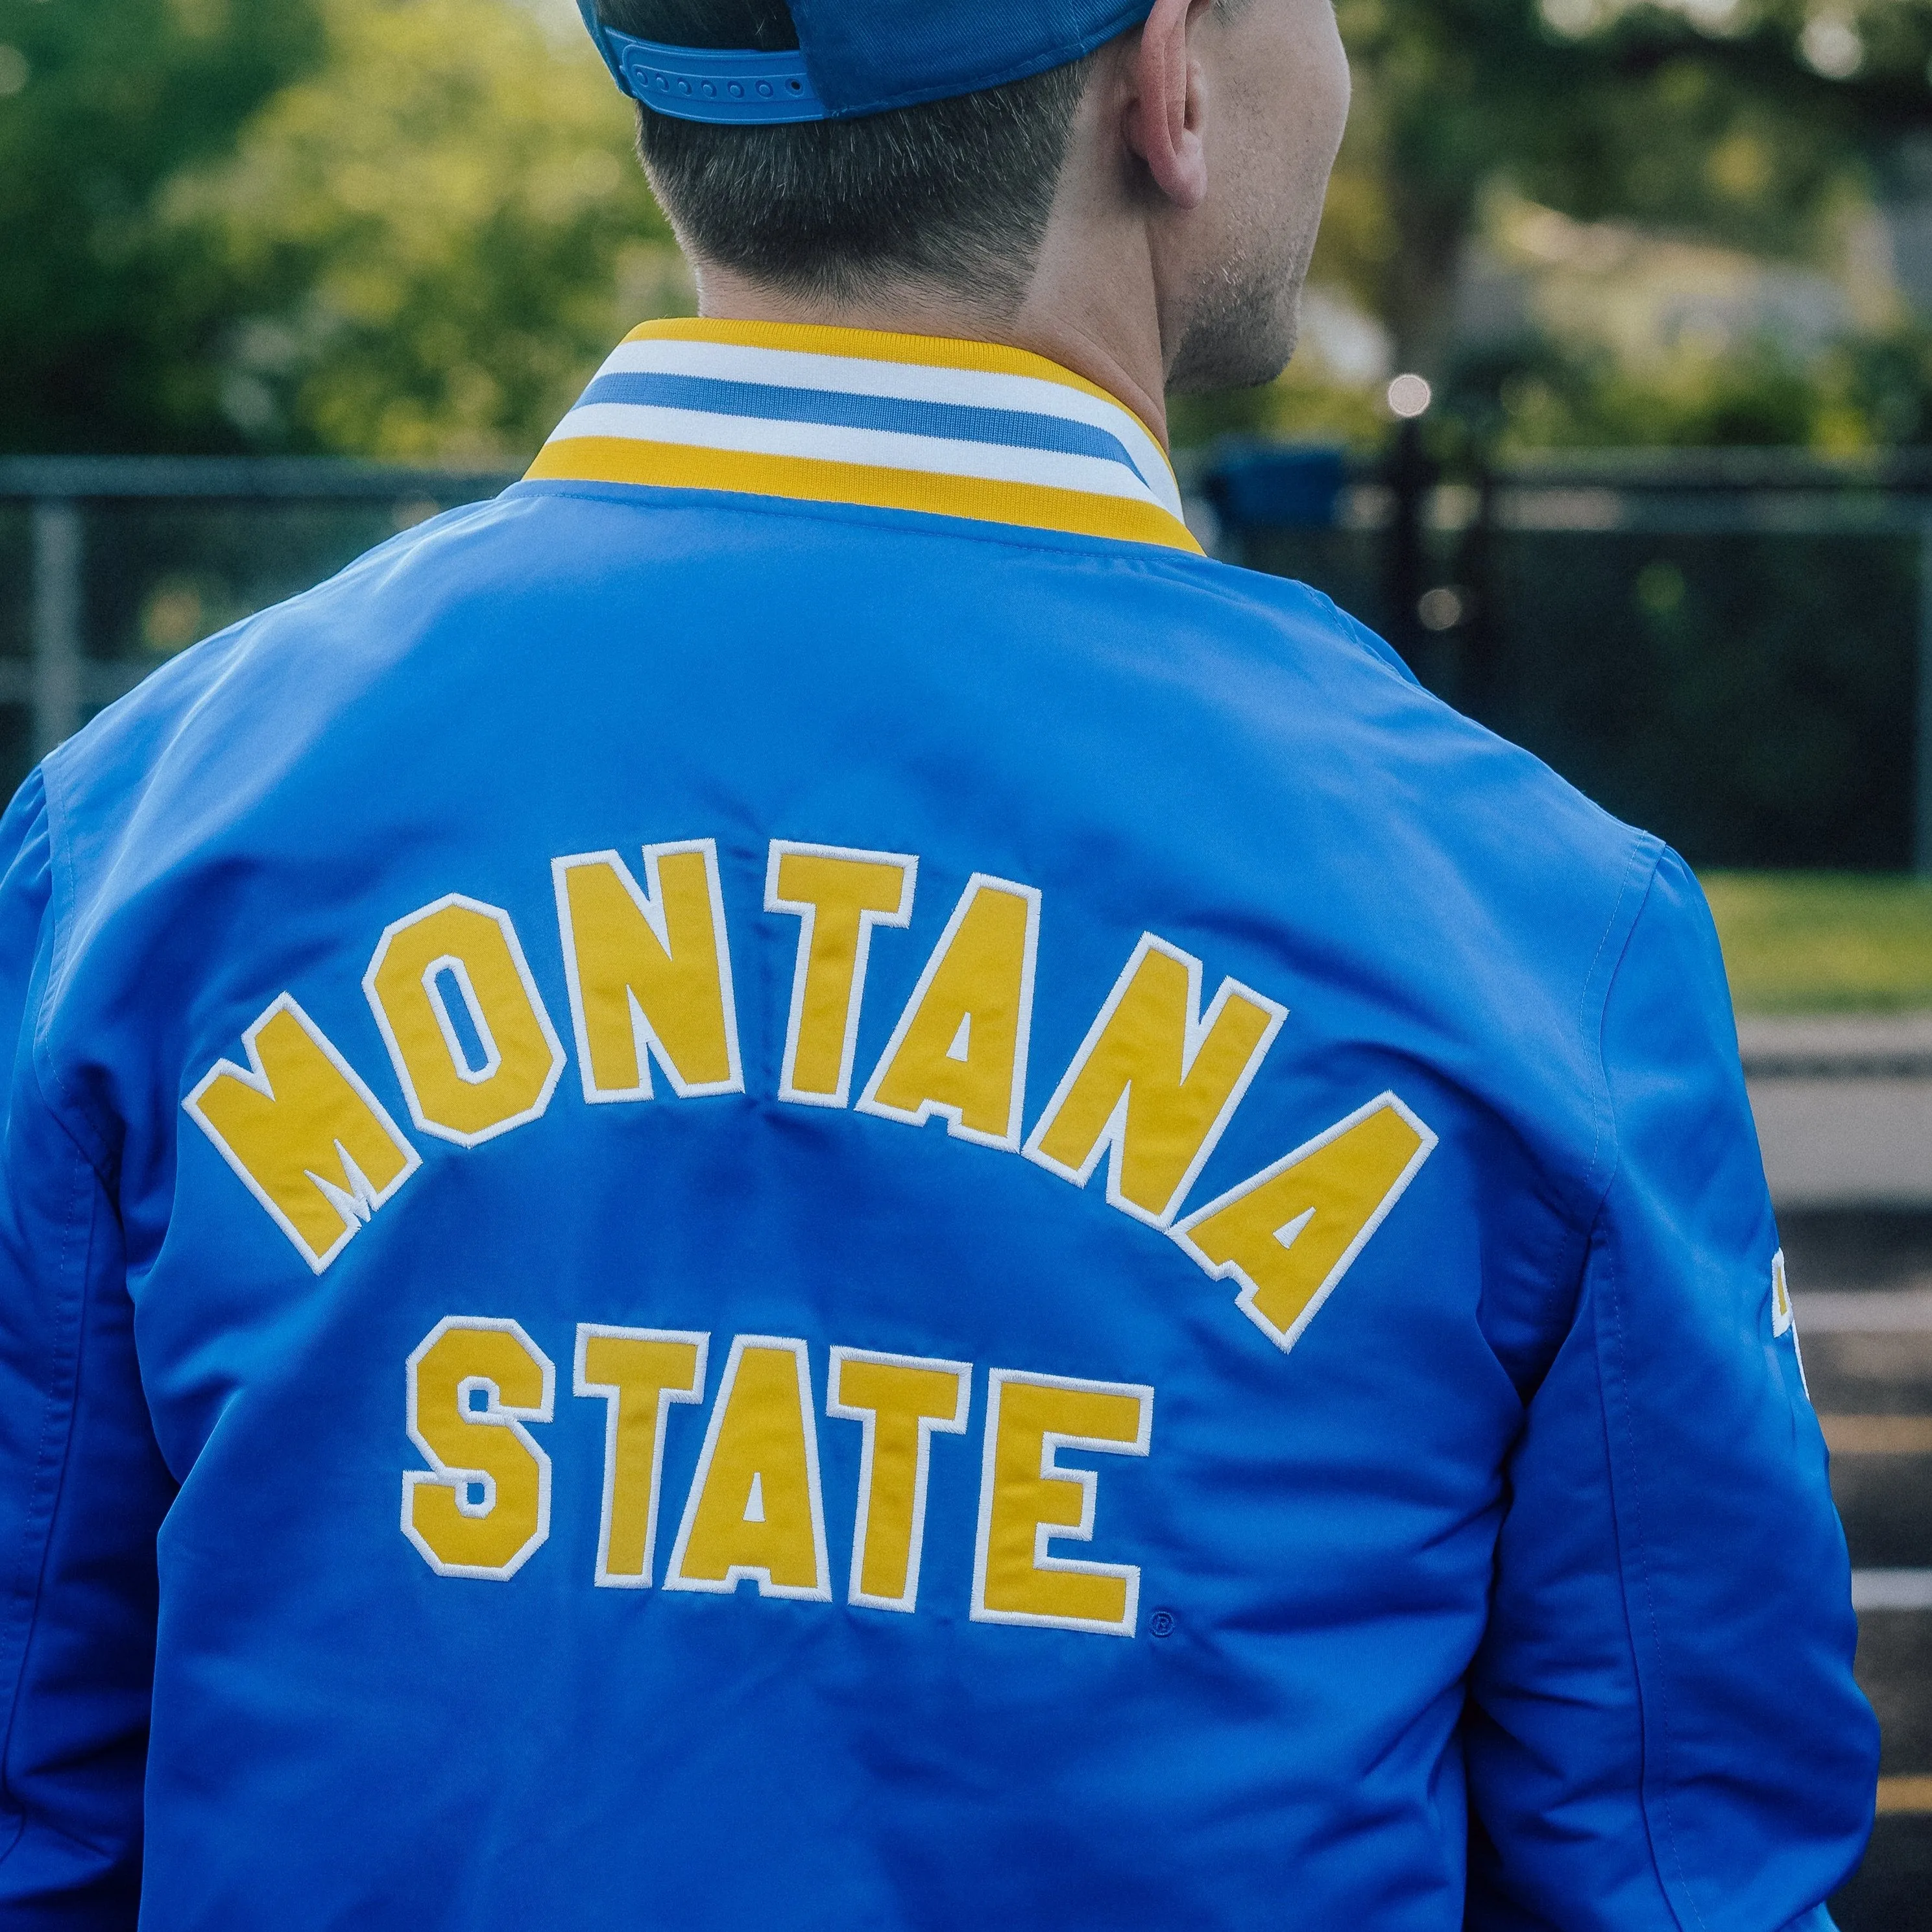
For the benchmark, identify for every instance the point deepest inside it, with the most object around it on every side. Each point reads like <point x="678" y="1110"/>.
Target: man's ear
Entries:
<point x="1162" y="122"/>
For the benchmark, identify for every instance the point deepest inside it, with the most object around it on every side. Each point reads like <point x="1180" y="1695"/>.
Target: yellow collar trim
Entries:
<point x="950" y="428"/>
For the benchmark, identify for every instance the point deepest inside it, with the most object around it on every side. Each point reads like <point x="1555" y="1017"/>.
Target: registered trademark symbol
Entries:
<point x="1162" y="1623"/>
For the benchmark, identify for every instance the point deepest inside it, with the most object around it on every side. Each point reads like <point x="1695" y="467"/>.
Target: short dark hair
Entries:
<point x="954" y="193"/>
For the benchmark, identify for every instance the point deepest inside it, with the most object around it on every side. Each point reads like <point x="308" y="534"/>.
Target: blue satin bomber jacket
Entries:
<point x="798" y="1181"/>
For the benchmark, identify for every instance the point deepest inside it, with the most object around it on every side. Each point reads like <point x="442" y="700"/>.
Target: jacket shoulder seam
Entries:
<point x="50" y="1458"/>
<point x="1593" y="1007"/>
<point x="1653" y="1783"/>
<point x="68" y="1111"/>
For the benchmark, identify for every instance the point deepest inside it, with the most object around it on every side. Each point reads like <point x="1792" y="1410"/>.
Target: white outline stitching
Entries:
<point x="674" y="1576"/>
<point x="1111" y="1140"/>
<point x="507" y="927"/>
<point x="649" y="901"/>
<point x="806" y="911"/>
<point x="868" y="1420"/>
<point x="439" y="1007"/>
<point x="1181" y="1232"/>
<point x="1051" y="1442"/>
<point x="443" y="1475"/>
<point x="1009" y="1141"/>
<point x="1784" y="1317"/>
<point x="360" y="1205"/>
<point x="612" y="1395"/>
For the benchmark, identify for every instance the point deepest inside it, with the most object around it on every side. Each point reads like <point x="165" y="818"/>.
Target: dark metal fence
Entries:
<point x="1733" y="648"/>
<point x="109" y="566"/>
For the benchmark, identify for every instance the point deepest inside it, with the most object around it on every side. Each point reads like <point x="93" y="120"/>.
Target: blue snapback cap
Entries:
<point x="859" y="57"/>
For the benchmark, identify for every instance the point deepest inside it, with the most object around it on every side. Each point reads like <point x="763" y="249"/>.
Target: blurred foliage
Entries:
<point x="402" y="227"/>
<point x="1738" y="693"/>
<point x="410" y="227"/>
<point x="1824" y="942"/>
<point x="105" y="321"/>
<point x="440" y="231"/>
<point x="1861" y="394"/>
<point x="1712" y="118"/>
<point x="1308" y="404"/>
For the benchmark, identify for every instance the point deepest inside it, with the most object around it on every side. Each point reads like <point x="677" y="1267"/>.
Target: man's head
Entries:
<point x="1183" y="160"/>
<point x="953" y="194"/>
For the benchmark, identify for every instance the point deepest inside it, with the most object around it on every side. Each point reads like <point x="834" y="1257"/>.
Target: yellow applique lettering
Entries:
<point x="1784" y="1317"/>
<point x="1028" y="1502"/>
<point x="649" y="971"/>
<point x="466" y="1084"/>
<point x="1290" y="1233"/>
<point x="1154" y="1083"/>
<point x="306" y="1136"/>
<point x="755" y="1508"/>
<point x="483" y="1506"/>
<point x="960" y="1048"/>
<point x="639" y="1373"/>
<point x="840" y="895"/>
<point x="900" y="1400"/>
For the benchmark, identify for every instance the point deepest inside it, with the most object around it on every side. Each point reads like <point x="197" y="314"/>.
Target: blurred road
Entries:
<point x="1844" y="1114"/>
<point x="1843" y="1108"/>
<point x="1870" y="1366"/>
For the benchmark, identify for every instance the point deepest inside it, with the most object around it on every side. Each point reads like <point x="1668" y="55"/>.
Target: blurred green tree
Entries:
<point x="104" y="325"/>
<point x="1713" y="118"/>
<point x="409" y="226"/>
<point x="402" y="227"/>
<point x="439" y="231"/>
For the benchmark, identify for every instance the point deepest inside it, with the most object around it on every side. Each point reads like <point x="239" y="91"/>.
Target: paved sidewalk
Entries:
<point x="1868" y="1355"/>
<point x="1843" y="1108"/>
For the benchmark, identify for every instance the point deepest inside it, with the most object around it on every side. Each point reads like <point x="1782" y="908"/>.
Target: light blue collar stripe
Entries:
<point x="954" y="422"/>
<point x="822" y="364"/>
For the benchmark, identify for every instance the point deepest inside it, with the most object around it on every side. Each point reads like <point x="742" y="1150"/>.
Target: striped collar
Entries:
<point x="838" y="416"/>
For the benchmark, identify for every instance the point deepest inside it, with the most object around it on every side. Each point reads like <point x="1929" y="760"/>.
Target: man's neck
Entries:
<point x="1085" y="338"/>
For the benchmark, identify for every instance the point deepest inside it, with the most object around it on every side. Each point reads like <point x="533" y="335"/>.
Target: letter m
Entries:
<point x="308" y="1139"/>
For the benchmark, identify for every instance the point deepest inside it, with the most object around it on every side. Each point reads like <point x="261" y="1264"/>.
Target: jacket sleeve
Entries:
<point x="1663" y="1730"/>
<point x="82" y="1488"/>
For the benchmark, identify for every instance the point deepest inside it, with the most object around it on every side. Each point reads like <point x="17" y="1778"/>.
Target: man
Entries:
<point x="800" y="1182"/>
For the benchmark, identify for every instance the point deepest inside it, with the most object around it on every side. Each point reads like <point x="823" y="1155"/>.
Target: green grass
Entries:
<point x="1825" y="942"/>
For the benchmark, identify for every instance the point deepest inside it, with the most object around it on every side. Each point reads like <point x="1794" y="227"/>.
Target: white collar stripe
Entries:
<point x="904" y="382"/>
<point x="886" y="449"/>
